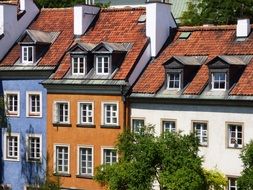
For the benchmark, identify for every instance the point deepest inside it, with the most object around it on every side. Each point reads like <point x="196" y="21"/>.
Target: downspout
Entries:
<point x="123" y="96"/>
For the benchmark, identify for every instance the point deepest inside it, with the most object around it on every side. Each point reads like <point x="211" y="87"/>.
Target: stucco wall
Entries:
<point x="18" y="173"/>
<point x="217" y="154"/>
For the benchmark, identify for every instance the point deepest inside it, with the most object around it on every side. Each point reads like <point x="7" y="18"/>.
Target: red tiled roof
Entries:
<point x="211" y="41"/>
<point x="116" y="26"/>
<point x="49" y="20"/>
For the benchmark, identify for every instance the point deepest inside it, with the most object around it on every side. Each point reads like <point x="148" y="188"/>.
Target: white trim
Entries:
<point x="22" y="52"/>
<point x="108" y="148"/>
<point x="79" y="112"/>
<point x="78" y="65"/>
<point x="103" y="119"/>
<point x="103" y="66"/>
<point x="36" y="115"/>
<point x="27" y="147"/>
<point x="212" y="83"/>
<point x="6" y="93"/>
<point x="18" y="148"/>
<point x="201" y="136"/>
<point x="169" y="120"/>
<point x="55" y="115"/>
<point x="132" y="123"/>
<point x="55" y="161"/>
<point x="233" y="145"/>
<point x="78" y="161"/>
<point x="168" y="80"/>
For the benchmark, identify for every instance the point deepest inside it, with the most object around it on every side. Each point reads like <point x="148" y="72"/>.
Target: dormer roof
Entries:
<point x="187" y="60"/>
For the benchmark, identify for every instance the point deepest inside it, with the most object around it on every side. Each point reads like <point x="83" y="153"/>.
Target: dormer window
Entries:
<point x="28" y="54"/>
<point x="219" y="80"/>
<point x="102" y="65"/>
<point x="174" y="81"/>
<point x="78" y="65"/>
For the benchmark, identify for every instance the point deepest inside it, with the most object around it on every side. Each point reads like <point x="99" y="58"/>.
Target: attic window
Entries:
<point x="184" y="35"/>
<point x="78" y="65"/>
<point x="174" y="81"/>
<point x="27" y="54"/>
<point x="102" y="65"/>
<point x="219" y="80"/>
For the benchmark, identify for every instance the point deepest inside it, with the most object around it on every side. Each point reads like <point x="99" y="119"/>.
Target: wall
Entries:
<point x="216" y="155"/>
<point x="74" y="135"/>
<point x="18" y="173"/>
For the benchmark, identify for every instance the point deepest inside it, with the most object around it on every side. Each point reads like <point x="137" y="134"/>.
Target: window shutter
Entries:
<point x="56" y="112"/>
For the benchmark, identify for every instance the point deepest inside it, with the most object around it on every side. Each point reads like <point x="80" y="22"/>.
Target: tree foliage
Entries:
<point x="171" y="159"/>
<point x="201" y="12"/>
<point x="215" y="180"/>
<point x="245" y="182"/>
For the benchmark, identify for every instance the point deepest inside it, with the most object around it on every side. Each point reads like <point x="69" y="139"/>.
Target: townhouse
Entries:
<point x="202" y="82"/>
<point x="86" y="102"/>
<point x="32" y="59"/>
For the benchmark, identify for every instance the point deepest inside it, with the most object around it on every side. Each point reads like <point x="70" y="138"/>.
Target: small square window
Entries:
<point x="78" y="65"/>
<point x="61" y="112"/>
<point x="27" y="54"/>
<point x="61" y="157"/>
<point x="110" y="114"/>
<point x="34" y="104"/>
<point x="102" y="65"/>
<point x="232" y="184"/>
<point x="110" y="156"/>
<point x="137" y="124"/>
<point x="34" y="146"/>
<point x="219" y="81"/>
<point x="201" y="132"/>
<point x="11" y="146"/>
<point x="235" y="136"/>
<point x="86" y="113"/>
<point x="85" y="166"/>
<point x="174" y="81"/>
<point x="169" y="126"/>
<point x="11" y="103"/>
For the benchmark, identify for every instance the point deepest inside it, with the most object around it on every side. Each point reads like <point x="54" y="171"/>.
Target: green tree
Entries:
<point x="216" y="11"/>
<point x="215" y="180"/>
<point x="245" y="182"/>
<point x="171" y="159"/>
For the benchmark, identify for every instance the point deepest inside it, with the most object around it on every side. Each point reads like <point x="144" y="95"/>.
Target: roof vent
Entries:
<point x="184" y="35"/>
<point x="142" y="19"/>
<point x="243" y="28"/>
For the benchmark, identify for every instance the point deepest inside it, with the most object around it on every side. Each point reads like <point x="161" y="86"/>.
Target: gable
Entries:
<point x="218" y="64"/>
<point x="173" y="64"/>
<point x="26" y="39"/>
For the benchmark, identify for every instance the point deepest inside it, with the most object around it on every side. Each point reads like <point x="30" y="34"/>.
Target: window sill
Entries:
<point x="86" y="125"/>
<point x="62" y="125"/>
<point x="110" y="126"/>
<point x="34" y="116"/>
<point x="62" y="174"/>
<point x="85" y="176"/>
<point x="235" y="148"/>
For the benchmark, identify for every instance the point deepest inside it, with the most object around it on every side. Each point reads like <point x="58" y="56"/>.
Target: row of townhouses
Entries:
<point x="73" y="79"/>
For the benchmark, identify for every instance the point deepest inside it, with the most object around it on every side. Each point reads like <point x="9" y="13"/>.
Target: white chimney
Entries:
<point x="1" y="19"/>
<point x="83" y="17"/>
<point x="243" y="28"/>
<point x="159" y="20"/>
<point x="23" y="5"/>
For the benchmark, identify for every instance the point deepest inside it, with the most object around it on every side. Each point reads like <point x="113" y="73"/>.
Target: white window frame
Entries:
<point x="179" y="81"/>
<point x="28" y="147"/>
<point x="56" y="112"/>
<point x="166" y="121"/>
<point x="55" y="158"/>
<point x="89" y="2"/>
<point x="78" y="159"/>
<point x="104" y="113"/>
<point x="233" y="145"/>
<point x="103" y="148"/>
<point x="17" y="158"/>
<point x="213" y="81"/>
<point x="23" y="52"/>
<point x="29" y="112"/>
<point x="103" y="64"/>
<point x="229" y="183"/>
<point x="78" y="65"/>
<point x="12" y="113"/>
<point x="132" y="123"/>
<point x="203" y="133"/>
<point x="79" y="111"/>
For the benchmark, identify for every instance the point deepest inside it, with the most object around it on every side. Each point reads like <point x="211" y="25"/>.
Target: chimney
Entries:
<point x="243" y="28"/>
<point x="23" y="5"/>
<point x="159" y="21"/>
<point x="1" y="20"/>
<point x="83" y="17"/>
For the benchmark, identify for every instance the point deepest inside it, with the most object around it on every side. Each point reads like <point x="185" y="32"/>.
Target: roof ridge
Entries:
<point x="207" y="27"/>
<point x="56" y="9"/>
<point x="123" y="9"/>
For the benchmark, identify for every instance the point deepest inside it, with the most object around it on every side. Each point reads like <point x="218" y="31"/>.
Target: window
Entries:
<point x="89" y="2"/>
<point x="109" y="156"/>
<point x="137" y="124"/>
<point x="12" y="103"/>
<point x="11" y="144"/>
<point x="219" y="81"/>
<point x="34" y="104"/>
<point x="85" y="166"/>
<point x="110" y="113"/>
<point x="102" y="65"/>
<point x="169" y="126"/>
<point x="174" y="80"/>
<point x="235" y="138"/>
<point x="85" y="113"/>
<point x="62" y="159"/>
<point x="27" y="54"/>
<point x="200" y="130"/>
<point x="61" y="113"/>
<point x="232" y="184"/>
<point x="78" y="65"/>
<point x="34" y="145"/>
